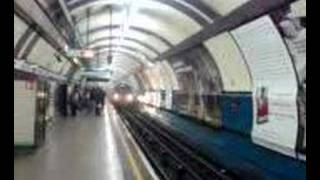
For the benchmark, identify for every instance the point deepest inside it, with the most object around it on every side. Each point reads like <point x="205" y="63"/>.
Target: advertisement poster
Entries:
<point x="276" y="124"/>
<point x="262" y="105"/>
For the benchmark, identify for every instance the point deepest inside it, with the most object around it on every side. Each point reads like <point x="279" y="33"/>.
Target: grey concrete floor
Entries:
<point x="81" y="148"/>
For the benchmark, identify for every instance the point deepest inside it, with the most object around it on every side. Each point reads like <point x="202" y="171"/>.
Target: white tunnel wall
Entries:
<point x="233" y="70"/>
<point x="198" y="65"/>
<point x="171" y="82"/>
<point x="162" y="77"/>
<point x="266" y="54"/>
<point x="42" y="53"/>
<point x="224" y="7"/>
<point x="35" y="12"/>
<point x="145" y="80"/>
<point x="133" y="84"/>
<point x="66" y="67"/>
<point x="271" y="68"/>
<point x="19" y="28"/>
<point x="299" y="8"/>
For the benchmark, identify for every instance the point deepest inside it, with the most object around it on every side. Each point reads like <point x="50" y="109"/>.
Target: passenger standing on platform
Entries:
<point x="74" y="101"/>
<point x="87" y="99"/>
<point x="61" y="99"/>
<point x="99" y="96"/>
<point x="102" y="97"/>
<point x="94" y="98"/>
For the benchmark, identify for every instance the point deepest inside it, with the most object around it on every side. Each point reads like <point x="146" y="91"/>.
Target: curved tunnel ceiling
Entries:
<point x="157" y="18"/>
<point x="121" y="46"/>
<point x="154" y="27"/>
<point x="195" y="10"/>
<point x="138" y="56"/>
<point x="135" y="32"/>
<point x="128" y="39"/>
<point x="138" y="31"/>
<point x="129" y="55"/>
<point x="141" y="27"/>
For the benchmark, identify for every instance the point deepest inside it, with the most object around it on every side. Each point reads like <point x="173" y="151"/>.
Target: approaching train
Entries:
<point x="123" y="95"/>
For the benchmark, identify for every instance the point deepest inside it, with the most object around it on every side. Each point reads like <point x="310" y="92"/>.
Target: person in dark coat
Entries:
<point x="74" y="101"/>
<point x="99" y="95"/>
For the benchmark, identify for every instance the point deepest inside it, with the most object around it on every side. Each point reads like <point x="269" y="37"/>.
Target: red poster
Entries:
<point x="262" y="104"/>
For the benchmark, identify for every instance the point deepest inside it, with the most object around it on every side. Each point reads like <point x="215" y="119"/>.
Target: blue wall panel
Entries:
<point x="237" y="113"/>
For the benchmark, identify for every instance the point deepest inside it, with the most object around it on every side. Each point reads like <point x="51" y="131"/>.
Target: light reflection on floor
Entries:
<point x="114" y="165"/>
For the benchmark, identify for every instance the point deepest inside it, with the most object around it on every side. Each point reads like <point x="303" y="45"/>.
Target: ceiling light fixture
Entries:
<point x="76" y="61"/>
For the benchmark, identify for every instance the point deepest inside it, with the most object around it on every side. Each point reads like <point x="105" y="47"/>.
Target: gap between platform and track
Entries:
<point x="131" y="159"/>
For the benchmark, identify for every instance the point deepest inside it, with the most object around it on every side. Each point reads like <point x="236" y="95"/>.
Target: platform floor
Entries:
<point x="85" y="148"/>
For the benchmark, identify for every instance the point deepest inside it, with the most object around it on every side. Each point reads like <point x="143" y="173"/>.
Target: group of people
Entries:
<point x="88" y="98"/>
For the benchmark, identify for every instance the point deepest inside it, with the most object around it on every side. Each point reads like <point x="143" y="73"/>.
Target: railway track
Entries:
<point x="172" y="158"/>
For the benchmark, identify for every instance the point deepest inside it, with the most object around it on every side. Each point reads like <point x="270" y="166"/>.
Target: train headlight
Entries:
<point x="116" y="97"/>
<point x="140" y="98"/>
<point x="129" y="98"/>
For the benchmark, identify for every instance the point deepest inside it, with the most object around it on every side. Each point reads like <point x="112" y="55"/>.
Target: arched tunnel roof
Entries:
<point x="236" y="66"/>
<point x="138" y="32"/>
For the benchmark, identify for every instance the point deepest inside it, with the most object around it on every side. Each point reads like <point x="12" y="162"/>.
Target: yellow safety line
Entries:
<point x="133" y="165"/>
<point x="131" y="159"/>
